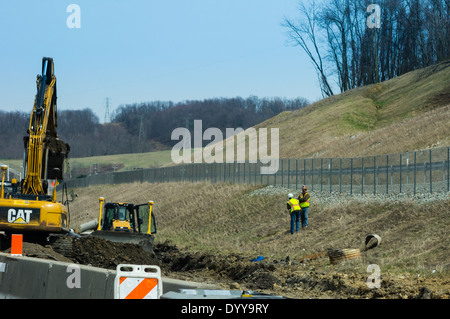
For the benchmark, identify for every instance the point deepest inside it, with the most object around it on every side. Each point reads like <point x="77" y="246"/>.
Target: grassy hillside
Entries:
<point x="120" y="162"/>
<point x="225" y="218"/>
<point x="129" y="161"/>
<point x="409" y="112"/>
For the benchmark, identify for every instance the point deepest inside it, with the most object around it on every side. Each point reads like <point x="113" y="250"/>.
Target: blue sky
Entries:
<point x="139" y="51"/>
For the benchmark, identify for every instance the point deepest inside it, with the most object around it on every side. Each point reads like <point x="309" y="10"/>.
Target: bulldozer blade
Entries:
<point x="145" y="241"/>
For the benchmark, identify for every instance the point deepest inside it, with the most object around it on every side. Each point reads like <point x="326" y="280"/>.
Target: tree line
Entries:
<point x="353" y="43"/>
<point x="155" y="121"/>
<point x="142" y="127"/>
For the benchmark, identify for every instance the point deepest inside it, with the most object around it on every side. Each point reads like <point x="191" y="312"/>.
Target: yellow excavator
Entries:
<point x="26" y="207"/>
<point x="125" y="223"/>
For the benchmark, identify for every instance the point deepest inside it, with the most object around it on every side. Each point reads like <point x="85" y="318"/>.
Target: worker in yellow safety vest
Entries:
<point x="294" y="208"/>
<point x="303" y="199"/>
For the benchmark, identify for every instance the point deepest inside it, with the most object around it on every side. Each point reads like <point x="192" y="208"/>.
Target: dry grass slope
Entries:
<point x="223" y="218"/>
<point x="410" y="112"/>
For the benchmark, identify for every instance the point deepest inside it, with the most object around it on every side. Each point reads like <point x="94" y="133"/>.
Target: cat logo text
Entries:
<point x="19" y="216"/>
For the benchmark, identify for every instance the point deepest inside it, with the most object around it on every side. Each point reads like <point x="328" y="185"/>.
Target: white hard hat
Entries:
<point x="290" y="195"/>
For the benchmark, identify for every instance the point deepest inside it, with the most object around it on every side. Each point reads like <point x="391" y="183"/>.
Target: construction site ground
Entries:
<point x="198" y="241"/>
<point x="309" y="278"/>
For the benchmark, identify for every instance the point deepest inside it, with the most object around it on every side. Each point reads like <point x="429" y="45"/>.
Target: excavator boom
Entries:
<point x="44" y="152"/>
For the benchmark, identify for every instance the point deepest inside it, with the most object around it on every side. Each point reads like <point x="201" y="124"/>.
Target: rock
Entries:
<point x="235" y="286"/>
<point x="424" y="293"/>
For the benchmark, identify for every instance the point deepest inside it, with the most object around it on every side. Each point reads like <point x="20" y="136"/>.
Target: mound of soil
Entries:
<point x="99" y="252"/>
<point x="39" y="251"/>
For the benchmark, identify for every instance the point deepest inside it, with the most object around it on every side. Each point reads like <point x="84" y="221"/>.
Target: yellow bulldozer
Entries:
<point x="125" y="223"/>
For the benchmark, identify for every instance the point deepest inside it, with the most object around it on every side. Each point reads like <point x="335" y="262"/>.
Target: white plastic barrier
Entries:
<point x="138" y="282"/>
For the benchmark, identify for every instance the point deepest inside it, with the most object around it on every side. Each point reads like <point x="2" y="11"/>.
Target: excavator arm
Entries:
<point x="44" y="152"/>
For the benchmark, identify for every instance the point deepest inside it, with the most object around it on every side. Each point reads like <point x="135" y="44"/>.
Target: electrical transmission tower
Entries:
<point x="107" y="103"/>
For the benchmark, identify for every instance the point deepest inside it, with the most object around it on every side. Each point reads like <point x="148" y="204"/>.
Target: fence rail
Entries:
<point x="409" y="172"/>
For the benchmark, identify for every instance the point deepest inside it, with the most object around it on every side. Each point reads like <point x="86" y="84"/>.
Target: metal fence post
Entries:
<point x="431" y="176"/>
<point x="362" y="175"/>
<point x="274" y="177"/>
<point x="387" y="174"/>
<point x="374" y="175"/>
<point x="351" y="176"/>
<point x="407" y="168"/>
<point x="415" y="171"/>
<point x="321" y="173"/>
<point x="289" y="171"/>
<point x="304" y="171"/>
<point x="330" y="166"/>
<point x="400" y="172"/>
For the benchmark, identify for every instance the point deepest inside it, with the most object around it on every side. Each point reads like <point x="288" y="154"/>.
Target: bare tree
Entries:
<point x="412" y="34"/>
<point x="335" y="19"/>
<point x="304" y="34"/>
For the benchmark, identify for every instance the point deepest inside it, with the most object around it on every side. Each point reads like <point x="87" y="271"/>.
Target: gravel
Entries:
<point x="336" y="198"/>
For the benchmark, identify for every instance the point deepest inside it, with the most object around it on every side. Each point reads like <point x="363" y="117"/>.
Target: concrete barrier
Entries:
<point x="35" y="278"/>
<point x="28" y="277"/>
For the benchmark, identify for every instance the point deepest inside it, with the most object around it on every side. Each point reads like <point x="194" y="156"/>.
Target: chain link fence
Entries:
<point x="12" y="173"/>
<point x="408" y="172"/>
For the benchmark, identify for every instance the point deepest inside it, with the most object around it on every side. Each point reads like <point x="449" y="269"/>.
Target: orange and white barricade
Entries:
<point x="137" y="282"/>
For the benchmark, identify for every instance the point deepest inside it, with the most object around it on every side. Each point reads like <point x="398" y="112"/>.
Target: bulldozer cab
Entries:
<point x="128" y="218"/>
<point x="119" y="217"/>
<point x="146" y="220"/>
<point x="126" y="223"/>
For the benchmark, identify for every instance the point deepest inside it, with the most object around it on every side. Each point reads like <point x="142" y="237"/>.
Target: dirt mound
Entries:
<point x="102" y="253"/>
<point x="99" y="252"/>
<point x="234" y="270"/>
<point x="39" y="251"/>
